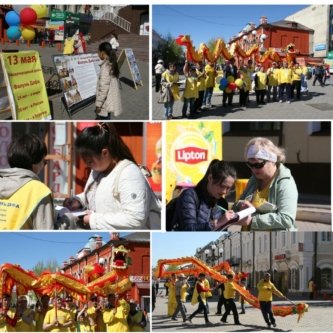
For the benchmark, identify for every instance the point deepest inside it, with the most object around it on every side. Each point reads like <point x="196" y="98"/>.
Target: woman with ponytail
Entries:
<point x="108" y="99"/>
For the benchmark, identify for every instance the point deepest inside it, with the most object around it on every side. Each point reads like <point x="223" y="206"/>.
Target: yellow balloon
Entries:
<point x="239" y="83"/>
<point x="28" y="33"/>
<point x="41" y="10"/>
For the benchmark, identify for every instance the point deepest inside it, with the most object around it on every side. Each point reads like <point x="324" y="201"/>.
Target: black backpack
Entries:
<point x="171" y="219"/>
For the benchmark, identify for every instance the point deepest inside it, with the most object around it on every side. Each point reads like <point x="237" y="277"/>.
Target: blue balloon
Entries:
<point x="224" y="82"/>
<point x="13" y="33"/>
<point x="12" y="18"/>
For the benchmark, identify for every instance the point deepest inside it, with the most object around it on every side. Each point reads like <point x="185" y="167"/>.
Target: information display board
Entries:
<point x="78" y="76"/>
<point x="25" y="84"/>
<point x="133" y="66"/>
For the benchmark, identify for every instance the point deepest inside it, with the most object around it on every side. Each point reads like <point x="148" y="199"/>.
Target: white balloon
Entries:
<point x="18" y="8"/>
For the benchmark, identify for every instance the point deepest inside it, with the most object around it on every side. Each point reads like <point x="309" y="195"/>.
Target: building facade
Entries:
<point x="98" y="250"/>
<point x="293" y="258"/>
<point x="320" y="19"/>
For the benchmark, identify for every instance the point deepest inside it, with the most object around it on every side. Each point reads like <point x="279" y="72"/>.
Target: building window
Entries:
<point x="283" y="235"/>
<point x="293" y="282"/>
<point x="293" y="237"/>
<point x="321" y="128"/>
<point x="326" y="236"/>
<point x="253" y="128"/>
<point x="326" y="278"/>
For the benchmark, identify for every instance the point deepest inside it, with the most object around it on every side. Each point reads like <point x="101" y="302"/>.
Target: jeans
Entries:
<point x="202" y="307"/>
<point x="168" y="108"/>
<point x="207" y="96"/>
<point x="282" y="87"/>
<point x="191" y="102"/>
<point x="269" y="93"/>
<point x="296" y="85"/>
<point x="266" y="310"/>
<point x="180" y="307"/>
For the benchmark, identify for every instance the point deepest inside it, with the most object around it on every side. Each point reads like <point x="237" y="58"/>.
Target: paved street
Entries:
<point x="317" y="319"/>
<point x="135" y="102"/>
<point x="318" y="104"/>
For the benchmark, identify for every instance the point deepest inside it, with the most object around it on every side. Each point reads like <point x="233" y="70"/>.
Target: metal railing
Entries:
<point x="102" y="15"/>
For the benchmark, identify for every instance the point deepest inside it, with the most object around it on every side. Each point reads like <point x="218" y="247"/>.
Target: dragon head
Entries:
<point x="291" y="48"/>
<point x="119" y="257"/>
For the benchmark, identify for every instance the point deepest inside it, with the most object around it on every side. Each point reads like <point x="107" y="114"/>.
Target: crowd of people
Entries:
<point x="280" y="82"/>
<point x="178" y="288"/>
<point x="117" y="194"/>
<point x="63" y="314"/>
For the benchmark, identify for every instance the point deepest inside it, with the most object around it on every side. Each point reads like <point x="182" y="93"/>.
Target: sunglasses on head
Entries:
<point x="256" y="165"/>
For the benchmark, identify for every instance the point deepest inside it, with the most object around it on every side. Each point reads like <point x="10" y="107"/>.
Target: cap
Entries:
<point x="101" y="261"/>
<point x="22" y="298"/>
<point x="160" y="61"/>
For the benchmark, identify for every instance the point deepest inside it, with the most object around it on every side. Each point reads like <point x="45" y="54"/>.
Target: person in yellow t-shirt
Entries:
<point x="285" y="80"/>
<point x="71" y="308"/>
<point x="172" y="302"/>
<point x="266" y="289"/>
<point x="8" y="315"/>
<point x="115" y="315"/>
<point x="296" y="81"/>
<point x="245" y="74"/>
<point x="170" y="89"/>
<point x="191" y="90"/>
<point x="41" y="309"/>
<point x="180" y="287"/>
<point x="201" y="85"/>
<point x="229" y="295"/>
<point x="26" y="316"/>
<point x="260" y="85"/>
<point x="57" y="319"/>
<point x="272" y="76"/>
<point x="210" y="74"/>
<point x="95" y="315"/>
<point x="83" y="320"/>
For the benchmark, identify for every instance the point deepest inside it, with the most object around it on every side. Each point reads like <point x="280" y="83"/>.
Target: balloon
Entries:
<point x="28" y="33"/>
<point x="239" y="83"/>
<point x="41" y="10"/>
<point x="232" y="86"/>
<point x="228" y="90"/>
<point x="221" y="87"/>
<point x="18" y="8"/>
<point x="28" y="16"/>
<point x="13" y="33"/>
<point x="230" y="78"/>
<point x="12" y="18"/>
<point x="224" y="82"/>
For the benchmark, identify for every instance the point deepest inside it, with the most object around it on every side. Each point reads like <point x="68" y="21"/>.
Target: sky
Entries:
<point x="172" y="245"/>
<point x="204" y="22"/>
<point x="28" y="248"/>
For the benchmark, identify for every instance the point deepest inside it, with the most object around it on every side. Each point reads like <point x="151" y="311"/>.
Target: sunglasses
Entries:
<point x="256" y="165"/>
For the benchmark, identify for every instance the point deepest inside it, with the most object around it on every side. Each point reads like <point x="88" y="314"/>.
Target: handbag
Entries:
<point x="155" y="206"/>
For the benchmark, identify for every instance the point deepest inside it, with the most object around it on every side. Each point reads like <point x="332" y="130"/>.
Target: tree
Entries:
<point x="169" y="51"/>
<point x="51" y="265"/>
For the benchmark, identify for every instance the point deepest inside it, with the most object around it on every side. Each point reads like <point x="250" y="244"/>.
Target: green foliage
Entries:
<point x="51" y="265"/>
<point x="169" y="51"/>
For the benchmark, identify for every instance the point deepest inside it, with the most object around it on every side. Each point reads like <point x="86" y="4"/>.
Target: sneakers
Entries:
<point x="208" y="106"/>
<point x="209" y="323"/>
<point x="288" y="102"/>
<point x="269" y="325"/>
<point x="189" y="319"/>
<point x="218" y="313"/>
<point x="237" y="323"/>
<point x="173" y="318"/>
<point x="274" y="325"/>
<point x="224" y="321"/>
<point x="280" y="101"/>
<point x="242" y="312"/>
<point x="203" y="107"/>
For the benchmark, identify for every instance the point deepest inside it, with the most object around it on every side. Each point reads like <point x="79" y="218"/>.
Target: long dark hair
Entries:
<point x="92" y="140"/>
<point x="107" y="48"/>
<point x="219" y="170"/>
<point x="26" y="150"/>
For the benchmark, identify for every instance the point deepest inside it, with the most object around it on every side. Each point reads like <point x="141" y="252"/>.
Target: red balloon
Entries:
<point x="232" y="85"/>
<point x="28" y="16"/>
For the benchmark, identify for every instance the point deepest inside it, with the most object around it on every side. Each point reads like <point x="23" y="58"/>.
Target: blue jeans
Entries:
<point x="168" y="108"/>
<point x="282" y="87"/>
<point x="207" y="96"/>
<point x="191" y="102"/>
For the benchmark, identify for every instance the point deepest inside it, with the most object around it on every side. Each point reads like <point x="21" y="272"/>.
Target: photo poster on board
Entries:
<point x="5" y="92"/>
<point x="25" y="85"/>
<point x="78" y="76"/>
<point x="132" y="64"/>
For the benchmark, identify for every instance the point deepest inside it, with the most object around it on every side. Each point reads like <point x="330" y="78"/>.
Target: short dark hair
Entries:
<point x="26" y="150"/>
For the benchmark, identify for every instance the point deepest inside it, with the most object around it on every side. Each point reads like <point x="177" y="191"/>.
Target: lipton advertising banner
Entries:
<point x="190" y="147"/>
<point x="25" y="81"/>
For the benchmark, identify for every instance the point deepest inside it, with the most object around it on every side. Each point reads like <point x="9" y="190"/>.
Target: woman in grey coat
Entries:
<point x="108" y="99"/>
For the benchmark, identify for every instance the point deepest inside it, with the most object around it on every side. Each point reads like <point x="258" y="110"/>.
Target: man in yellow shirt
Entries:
<point x="8" y="316"/>
<point x="41" y="311"/>
<point x="210" y="73"/>
<point x="296" y="81"/>
<point x="266" y="289"/>
<point x="95" y="315"/>
<point x="57" y="319"/>
<point x="115" y="315"/>
<point x="191" y="90"/>
<point x="260" y="85"/>
<point x="25" y="315"/>
<point x="285" y="79"/>
<point x="272" y="75"/>
<point x="229" y="295"/>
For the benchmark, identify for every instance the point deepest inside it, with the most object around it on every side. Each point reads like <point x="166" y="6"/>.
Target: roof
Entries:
<point x="138" y="236"/>
<point x="289" y="24"/>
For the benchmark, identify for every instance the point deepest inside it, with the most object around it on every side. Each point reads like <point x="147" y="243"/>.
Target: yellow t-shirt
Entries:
<point x="229" y="290"/>
<point x="172" y="78"/>
<point x="4" y="326"/>
<point x="297" y="72"/>
<point x="23" y="326"/>
<point x="201" y="81"/>
<point x="210" y="76"/>
<point x="285" y="75"/>
<point x="261" y="81"/>
<point x="191" y="88"/>
<point x="117" y="322"/>
<point x="273" y="76"/>
<point x="63" y="317"/>
<point x="265" y="291"/>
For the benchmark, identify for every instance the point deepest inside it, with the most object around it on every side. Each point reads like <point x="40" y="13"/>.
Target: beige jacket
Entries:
<point x="107" y="93"/>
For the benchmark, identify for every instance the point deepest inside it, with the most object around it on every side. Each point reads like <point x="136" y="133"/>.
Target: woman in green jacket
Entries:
<point x="271" y="189"/>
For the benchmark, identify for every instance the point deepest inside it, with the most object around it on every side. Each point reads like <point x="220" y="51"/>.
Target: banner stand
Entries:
<point x="77" y="107"/>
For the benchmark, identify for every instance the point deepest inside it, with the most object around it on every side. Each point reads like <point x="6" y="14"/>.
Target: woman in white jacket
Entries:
<point x="116" y="195"/>
<point x="108" y="99"/>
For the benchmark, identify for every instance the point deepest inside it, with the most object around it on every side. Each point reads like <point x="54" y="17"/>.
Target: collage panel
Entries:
<point x="248" y="176"/>
<point x="74" y="62"/>
<point x="75" y="282"/>
<point x="267" y="62"/>
<point x="242" y="281"/>
<point x="80" y="176"/>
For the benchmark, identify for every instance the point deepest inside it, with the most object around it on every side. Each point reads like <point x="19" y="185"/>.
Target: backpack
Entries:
<point x="171" y="219"/>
